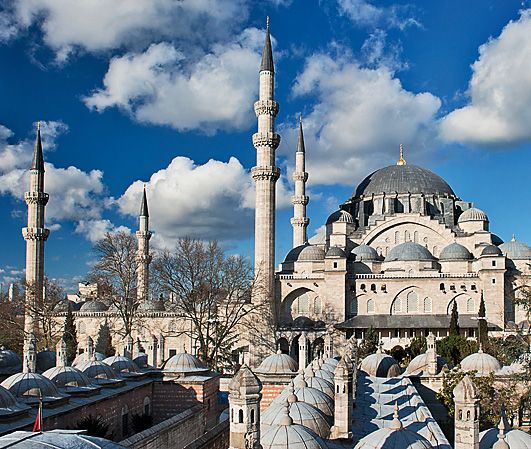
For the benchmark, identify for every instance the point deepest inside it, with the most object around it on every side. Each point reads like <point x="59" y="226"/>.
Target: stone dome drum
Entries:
<point x="278" y="363"/>
<point x="409" y="251"/>
<point x="403" y="179"/>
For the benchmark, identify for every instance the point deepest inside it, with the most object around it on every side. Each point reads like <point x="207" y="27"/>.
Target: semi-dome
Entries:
<point x="515" y="439"/>
<point x="403" y="179"/>
<point x="311" y="253"/>
<point x="481" y="362"/>
<point x="455" y="251"/>
<point x="83" y="357"/>
<point x="340" y="216"/>
<point x="419" y="365"/>
<point x="30" y="384"/>
<point x="184" y="363"/>
<point x="67" y="376"/>
<point x="491" y="250"/>
<point x="380" y="365"/>
<point x="472" y="214"/>
<point x="409" y="251"/>
<point x="278" y="363"/>
<point x="335" y="251"/>
<point x="365" y="253"/>
<point x="93" y="306"/>
<point x="121" y="364"/>
<point x="516" y="250"/>
<point x="10" y="362"/>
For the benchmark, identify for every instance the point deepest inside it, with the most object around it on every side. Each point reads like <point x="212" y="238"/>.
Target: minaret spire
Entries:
<point x="265" y="175"/>
<point x="35" y="235"/>
<point x="300" y="200"/>
<point x="143" y="258"/>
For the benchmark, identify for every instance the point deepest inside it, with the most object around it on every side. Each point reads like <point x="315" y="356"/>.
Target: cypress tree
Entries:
<point x="104" y="341"/>
<point x="454" y="321"/>
<point x="483" y="332"/>
<point x="70" y="335"/>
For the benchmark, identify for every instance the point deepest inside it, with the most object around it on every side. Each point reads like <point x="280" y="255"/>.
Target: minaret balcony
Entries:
<point x="40" y="198"/>
<point x="143" y="235"/>
<point x="266" y="107"/>
<point x="300" y="199"/>
<point x="270" y="140"/>
<point x="300" y="221"/>
<point x="300" y="176"/>
<point x="267" y="173"/>
<point x="40" y="234"/>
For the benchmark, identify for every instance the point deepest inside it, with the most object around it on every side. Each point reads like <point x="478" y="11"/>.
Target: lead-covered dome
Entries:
<point x="481" y="362"/>
<point x="472" y="214"/>
<point x="10" y="362"/>
<point x="409" y="251"/>
<point x="93" y="306"/>
<point x="278" y="363"/>
<point x="419" y="365"/>
<point x="340" y="216"/>
<point x="184" y="363"/>
<point x="311" y="253"/>
<point x="335" y="251"/>
<point x="67" y="376"/>
<point x="365" y="253"/>
<point x="30" y="384"/>
<point x="515" y="439"/>
<point x="455" y="251"/>
<point x="516" y="250"/>
<point x="121" y="364"/>
<point x="403" y="179"/>
<point x="380" y="365"/>
<point x="491" y="250"/>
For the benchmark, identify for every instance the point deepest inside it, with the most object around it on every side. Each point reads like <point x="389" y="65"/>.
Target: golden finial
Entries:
<point x="401" y="161"/>
<point x="38" y="125"/>
<point x="267" y="22"/>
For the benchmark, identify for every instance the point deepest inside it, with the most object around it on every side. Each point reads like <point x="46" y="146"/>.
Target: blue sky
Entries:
<point x="161" y="92"/>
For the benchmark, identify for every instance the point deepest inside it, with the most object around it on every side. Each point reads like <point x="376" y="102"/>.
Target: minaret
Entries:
<point x="35" y="235"/>
<point x="143" y="258"/>
<point x="342" y="401"/>
<point x="466" y="400"/>
<point x="303" y="351"/>
<point x="265" y="175"/>
<point x="299" y="199"/>
<point x="61" y="358"/>
<point x="30" y="354"/>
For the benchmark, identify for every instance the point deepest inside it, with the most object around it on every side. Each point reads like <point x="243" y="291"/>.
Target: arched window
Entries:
<point x="370" y="306"/>
<point x="373" y="287"/>
<point x="252" y="416"/>
<point x="147" y="406"/>
<point x="304" y="304"/>
<point x="416" y="236"/>
<point x="397" y="237"/>
<point x="362" y="287"/>
<point x="470" y="306"/>
<point x="468" y="415"/>
<point x="318" y="305"/>
<point x="406" y="236"/>
<point x="232" y="415"/>
<point x="240" y="416"/>
<point x="397" y="306"/>
<point x="427" y="305"/>
<point x="441" y="286"/>
<point x="412" y="302"/>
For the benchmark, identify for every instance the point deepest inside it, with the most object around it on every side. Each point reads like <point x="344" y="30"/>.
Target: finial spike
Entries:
<point x="267" y="23"/>
<point x="38" y="125"/>
<point x="401" y="161"/>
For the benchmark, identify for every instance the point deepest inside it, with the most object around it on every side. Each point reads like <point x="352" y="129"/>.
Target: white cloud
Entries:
<point x="95" y="229"/>
<point x="96" y="25"/>
<point x="211" y="201"/>
<point x="360" y="117"/>
<point x="364" y="13"/>
<point x="161" y="86"/>
<point x="499" y="111"/>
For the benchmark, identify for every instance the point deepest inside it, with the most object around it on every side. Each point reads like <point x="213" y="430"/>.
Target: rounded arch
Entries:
<point x="399" y="304"/>
<point x="462" y="304"/>
<point x="297" y="303"/>
<point x="370" y="305"/>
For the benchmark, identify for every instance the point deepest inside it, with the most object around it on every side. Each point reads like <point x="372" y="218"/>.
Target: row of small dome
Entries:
<point x="97" y="305"/>
<point x="408" y="251"/>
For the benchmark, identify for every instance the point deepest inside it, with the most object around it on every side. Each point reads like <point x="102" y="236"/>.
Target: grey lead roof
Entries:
<point x="267" y="53"/>
<point x="38" y="160"/>
<point x="300" y="141"/>
<point x="144" y="212"/>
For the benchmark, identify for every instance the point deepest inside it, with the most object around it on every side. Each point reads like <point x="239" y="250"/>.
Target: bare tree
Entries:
<point x="522" y="299"/>
<point x="210" y="290"/>
<point x="115" y="272"/>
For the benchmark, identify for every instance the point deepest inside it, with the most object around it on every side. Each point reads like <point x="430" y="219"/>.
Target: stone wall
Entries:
<point x="175" y="433"/>
<point x="215" y="438"/>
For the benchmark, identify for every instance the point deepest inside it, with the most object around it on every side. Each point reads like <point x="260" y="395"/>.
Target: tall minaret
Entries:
<point x="35" y="235"/>
<point x="265" y="175"/>
<point x="143" y="258"/>
<point x="300" y="200"/>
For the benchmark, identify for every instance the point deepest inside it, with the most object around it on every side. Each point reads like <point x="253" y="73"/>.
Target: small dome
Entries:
<point x="472" y="214"/>
<point x="293" y="254"/>
<point x="10" y="362"/>
<point x="491" y="250"/>
<point x="319" y="383"/>
<point x="335" y="251"/>
<point x="481" y="362"/>
<point x="365" y="253"/>
<point x="30" y="384"/>
<point x="46" y="360"/>
<point x="121" y="364"/>
<point x="455" y="251"/>
<point x="97" y="370"/>
<point x="67" y="376"/>
<point x="141" y="360"/>
<point x="151" y="306"/>
<point x="63" y="306"/>
<point x="516" y="250"/>
<point x="278" y="363"/>
<point x="59" y="439"/>
<point x="331" y="361"/>
<point x="93" y="306"/>
<point x="340" y="216"/>
<point x="390" y="438"/>
<point x="184" y="363"/>
<point x="419" y="365"/>
<point x="82" y="358"/>
<point x="516" y="439"/>
<point x="379" y="365"/>
<point x="310" y="395"/>
<point x="293" y="436"/>
<point x="409" y="251"/>
<point x="311" y="253"/>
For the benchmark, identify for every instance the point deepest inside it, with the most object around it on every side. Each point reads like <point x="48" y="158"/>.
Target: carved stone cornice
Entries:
<point x="40" y="234"/>
<point x="300" y="199"/>
<point x="300" y="176"/>
<point x="300" y="221"/>
<point x="270" y="140"/>
<point x="266" y="107"/>
<point x="265" y="173"/>
<point x="143" y="235"/>
<point x="40" y="198"/>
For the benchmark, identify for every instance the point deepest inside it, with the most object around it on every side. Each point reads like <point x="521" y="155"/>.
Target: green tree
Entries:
<point x="454" y="321"/>
<point x="417" y="346"/>
<point x="369" y="344"/>
<point x="104" y="341"/>
<point x="70" y="335"/>
<point x="483" y="332"/>
<point x="455" y="348"/>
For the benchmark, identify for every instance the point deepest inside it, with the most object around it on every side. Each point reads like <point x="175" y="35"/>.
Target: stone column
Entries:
<point x="162" y="351"/>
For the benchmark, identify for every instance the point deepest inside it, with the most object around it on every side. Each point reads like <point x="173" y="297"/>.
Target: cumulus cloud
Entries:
<point x="96" y="25"/>
<point x="499" y="110"/>
<point x="95" y="229"/>
<point x="364" y="13"/>
<point x="214" y="200"/>
<point x="161" y="86"/>
<point x="360" y="117"/>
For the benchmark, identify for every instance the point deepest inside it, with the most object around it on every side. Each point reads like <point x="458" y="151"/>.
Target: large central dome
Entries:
<point x="403" y="179"/>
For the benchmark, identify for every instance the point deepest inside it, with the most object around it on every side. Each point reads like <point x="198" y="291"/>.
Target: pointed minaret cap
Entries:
<point x="300" y="141"/>
<point x="501" y="443"/>
<point x="38" y="159"/>
<point x="267" y="53"/>
<point x="144" y="212"/>
<point x="396" y="424"/>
